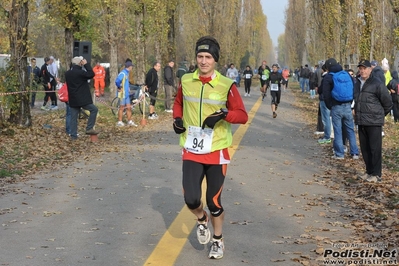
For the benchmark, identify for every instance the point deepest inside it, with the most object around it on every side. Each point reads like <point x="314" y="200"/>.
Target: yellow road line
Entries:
<point x="170" y="245"/>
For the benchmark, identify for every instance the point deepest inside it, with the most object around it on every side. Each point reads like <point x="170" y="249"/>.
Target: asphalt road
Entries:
<point x="113" y="208"/>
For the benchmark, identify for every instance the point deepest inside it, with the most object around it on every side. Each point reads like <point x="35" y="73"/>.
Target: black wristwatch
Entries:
<point x="225" y="111"/>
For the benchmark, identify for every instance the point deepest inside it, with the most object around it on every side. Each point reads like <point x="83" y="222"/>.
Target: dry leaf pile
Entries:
<point x="371" y="209"/>
<point x="45" y="146"/>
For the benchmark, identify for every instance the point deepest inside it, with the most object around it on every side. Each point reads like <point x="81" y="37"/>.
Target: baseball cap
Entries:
<point x="77" y="59"/>
<point x="373" y="63"/>
<point x="330" y="62"/>
<point x="365" y="63"/>
<point x="128" y="64"/>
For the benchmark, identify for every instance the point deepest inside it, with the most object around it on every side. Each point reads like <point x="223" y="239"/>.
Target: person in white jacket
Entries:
<point x="232" y="72"/>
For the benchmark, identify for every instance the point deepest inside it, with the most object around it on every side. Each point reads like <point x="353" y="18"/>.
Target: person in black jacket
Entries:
<point x="169" y="85"/>
<point x="79" y="95"/>
<point x="393" y="88"/>
<point x="377" y="71"/>
<point x="372" y="104"/>
<point x="46" y="78"/>
<point x="151" y="82"/>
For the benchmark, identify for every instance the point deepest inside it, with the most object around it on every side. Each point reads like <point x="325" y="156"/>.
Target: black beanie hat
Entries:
<point x="208" y="44"/>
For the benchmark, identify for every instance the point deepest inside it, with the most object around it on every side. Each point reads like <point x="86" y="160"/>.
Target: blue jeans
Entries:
<point x="306" y="84"/>
<point x="74" y="118"/>
<point x="68" y="119"/>
<point x="134" y="90"/>
<point x="342" y="119"/>
<point x="302" y="83"/>
<point x="325" y="117"/>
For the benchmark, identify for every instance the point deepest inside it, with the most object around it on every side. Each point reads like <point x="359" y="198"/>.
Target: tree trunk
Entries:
<point x="68" y="47"/>
<point x="140" y="44"/>
<point x="18" y="22"/>
<point x="113" y="68"/>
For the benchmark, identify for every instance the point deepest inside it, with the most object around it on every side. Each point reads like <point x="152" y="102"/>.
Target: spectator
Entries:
<point x="324" y="111"/>
<point x="304" y="78"/>
<point x="341" y="112"/>
<point x="377" y="71"/>
<point x="53" y="69"/>
<point x="232" y="72"/>
<point x="387" y="73"/>
<point x="169" y="85"/>
<point x="223" y="71"/>
<point x="151" y="82"/>
<point x="80" y="96"/>
<point x="122" y="84"/>
<point x="181" y="70"/>
<point x="393" y="89"/>
<point x="34" y="80"/>
<point x="313" y="82"/>
<point x="99" y="79"/>
<point x="46" y="81"/>
<point x="372" y="104"/>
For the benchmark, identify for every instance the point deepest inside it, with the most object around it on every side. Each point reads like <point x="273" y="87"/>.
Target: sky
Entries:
<point x="275" y="12"/>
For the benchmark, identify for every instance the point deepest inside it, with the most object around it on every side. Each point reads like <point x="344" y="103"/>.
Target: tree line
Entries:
<point x="348" y="30"/>
<point x="143" y="30"/>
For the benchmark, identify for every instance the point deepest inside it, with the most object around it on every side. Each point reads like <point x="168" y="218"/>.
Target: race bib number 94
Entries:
<point x="199" y="140"/>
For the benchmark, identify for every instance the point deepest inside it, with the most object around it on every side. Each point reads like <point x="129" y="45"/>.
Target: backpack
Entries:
<point x="63" y="93"/>
<point x="343" y="86"/>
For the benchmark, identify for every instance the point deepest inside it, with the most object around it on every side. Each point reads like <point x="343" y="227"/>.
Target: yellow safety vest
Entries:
<point x="201" y="100"/>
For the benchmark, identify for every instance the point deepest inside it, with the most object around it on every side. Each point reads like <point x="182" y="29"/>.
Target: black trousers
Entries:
<point x="371" y="146"/>
<point x="320" y="126"/>
<point x="247" y="84"/>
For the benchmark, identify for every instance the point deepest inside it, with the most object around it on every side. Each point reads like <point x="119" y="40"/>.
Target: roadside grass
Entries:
<point x="374" y="207"/>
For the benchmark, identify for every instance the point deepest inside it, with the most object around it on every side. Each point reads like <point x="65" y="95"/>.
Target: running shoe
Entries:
<point x="217" y="249"/>
<point x="274" y="115"/>
<point x="249" y="95"/>
<point x="152" y="116"/>
<point x="44" y="108"/>
<point x="337" y="158"/>
<point x="373" y="178"/>
<point x="246" y="94"/>
<point x="363" y="177"/>
<point x="355" y="157"/>
<point x="131" y="123"/>
<point x="324" y="141"/>
<point x="203" y="233"/>
<point x="120" y="124"/>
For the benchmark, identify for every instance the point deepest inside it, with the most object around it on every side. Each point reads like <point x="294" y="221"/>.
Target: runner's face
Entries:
<point x="206" y="64"/>
<point x="274" y="69"/>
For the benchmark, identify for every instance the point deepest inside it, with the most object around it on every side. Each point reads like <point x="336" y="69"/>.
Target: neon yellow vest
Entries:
<point x="201" y="100"/>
